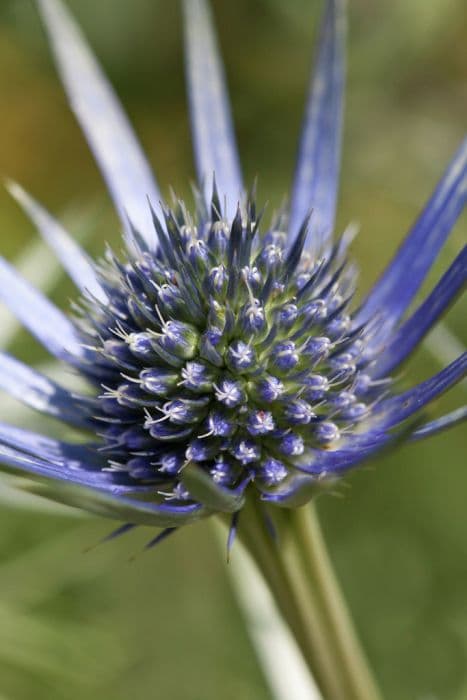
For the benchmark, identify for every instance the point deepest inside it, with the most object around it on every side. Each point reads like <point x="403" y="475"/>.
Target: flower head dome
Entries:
<point x="225" y="354"/>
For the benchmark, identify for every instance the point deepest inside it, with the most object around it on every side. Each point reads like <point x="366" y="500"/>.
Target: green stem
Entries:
<point x="341" y="631"/>
<point x="299" y="573"/>
<point x="278" y="576"/>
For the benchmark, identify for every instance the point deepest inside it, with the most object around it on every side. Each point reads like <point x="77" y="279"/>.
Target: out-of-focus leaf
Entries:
<point x="47" y="646"/>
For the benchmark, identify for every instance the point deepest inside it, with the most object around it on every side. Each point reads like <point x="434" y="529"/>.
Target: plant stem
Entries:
<point x="270" y="636"/>
<point x="299" y="574"/>
<point x="342" y="634"/>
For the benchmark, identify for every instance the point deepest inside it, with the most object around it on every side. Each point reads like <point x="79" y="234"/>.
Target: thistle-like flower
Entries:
<point x="224" y="354"/>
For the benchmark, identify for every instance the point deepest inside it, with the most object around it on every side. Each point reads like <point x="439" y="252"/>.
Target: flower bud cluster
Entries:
<point x="225" y="349"/>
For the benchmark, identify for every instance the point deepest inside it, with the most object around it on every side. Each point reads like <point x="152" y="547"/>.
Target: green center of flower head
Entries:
<point x="225" y="349"/>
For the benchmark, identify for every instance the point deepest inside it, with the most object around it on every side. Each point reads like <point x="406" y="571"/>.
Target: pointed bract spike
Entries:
<point x="134" y="238"/>
<point x="102" y="119"/>
<point x="440" y="424"/>
<point x="235" y="235"/>
<point x="213" y="135"/>
<point x="251" y="201"/>
<point x="324" y="291"/>
<point x="162" y="235"/>
<point x="160" y="537"/>
<point x="41" y="393"/>
<point x="269" y="524"/>
<point x="410" y="334"/>
<point x="56" y="333"/>
<point x="316" y="276"/>
<point x="259" y="217"/>
<point x="232" y="532"/>
<point x="316" y="177"/>
<point x="345" y="241"/>
<point x="122" y="530"/>
<point x="216" y="207"/>
<point x="401" y="280"/>
<point x="233" y="248"/>
<point x="73" y="258"/>
<point x="295" y="253"/>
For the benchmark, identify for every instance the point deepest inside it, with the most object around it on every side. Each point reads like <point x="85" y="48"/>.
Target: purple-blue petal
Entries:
<point x="73" y="481"/>
<point x="80" y="468"/>
<point x="57" y="452"/>
<point x="73" y="258"/>
<point x="56" y="333"/>
<point x="66" y="471"/>
<point x="119" y="502"/>
<point x="41" y="393"/>
<point x="105" y="125"/>
<point x="439" y="424"/>
<point x="412" y="331"/>
<point x="316" y="179"/>
<point x="398" y="408"/>
<point x="356" y="449"/>
<point x="211" y="122"/>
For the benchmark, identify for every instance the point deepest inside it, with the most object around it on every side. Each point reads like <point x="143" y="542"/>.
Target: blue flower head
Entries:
<point x="224" y="354"/>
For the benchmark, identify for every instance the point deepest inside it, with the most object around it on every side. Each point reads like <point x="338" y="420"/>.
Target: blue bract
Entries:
<point x="224" y="354"/>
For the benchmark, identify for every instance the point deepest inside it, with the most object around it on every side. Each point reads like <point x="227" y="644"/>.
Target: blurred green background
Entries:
<point x="95" y="625"/>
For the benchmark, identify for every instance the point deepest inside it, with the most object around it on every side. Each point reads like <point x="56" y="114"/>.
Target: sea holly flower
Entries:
<point x="229" y="367"/>
<point x="225" y="355"/>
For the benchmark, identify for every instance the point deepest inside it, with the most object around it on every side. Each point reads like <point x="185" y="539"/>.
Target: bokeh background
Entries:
<point x="94" y="624"/>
